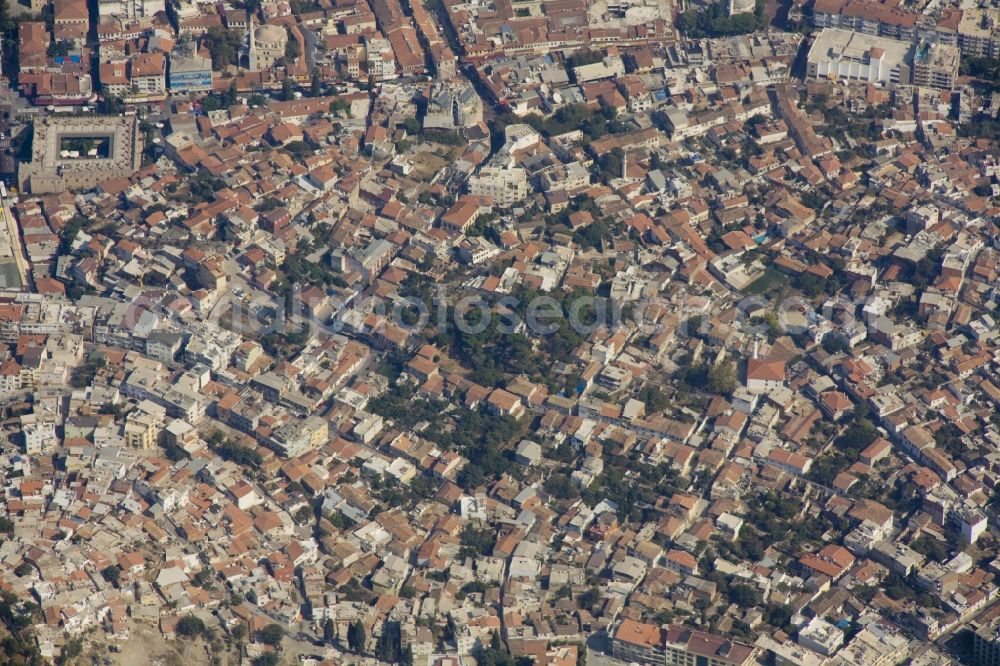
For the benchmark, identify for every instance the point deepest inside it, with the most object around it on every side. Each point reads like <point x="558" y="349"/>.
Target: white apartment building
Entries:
<point x="842" y="54"/>
<point x="505" y="186"/>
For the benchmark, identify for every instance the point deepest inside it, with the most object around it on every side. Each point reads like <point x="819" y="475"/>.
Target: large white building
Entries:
<point x="855" y="56"/>
<point x="505" y="186"/>
<point x="821" y="636"/>
<point x="39" y="437"/>
<point x="842" y="54"/>
<point x="299" y="436"/>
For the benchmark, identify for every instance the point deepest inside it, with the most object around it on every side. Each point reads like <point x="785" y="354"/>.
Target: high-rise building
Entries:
<point x="986" y="645"/>
<point x="978" y="33"/>
<point x="935" y="65"/>
<point x="505" y="186"/>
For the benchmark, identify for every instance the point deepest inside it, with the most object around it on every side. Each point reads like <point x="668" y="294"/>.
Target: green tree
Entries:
<point x="71" y="650"/>
<point x="983" y="68"/>
<point x="272" y="635"/>
<point x="592" y="235"/>
<point x="389" y="648"/>
<point x="860" y="434"/>
<point x="722" y="378"/>
<point x="356" y="637"/>
<point x="653" y="398"/>
<point x="930" y="547"/>
<point x="412" y="126"/>
<point x="589" y="599"/>
<point x="109" y="104"/>
<point x="611" y="164"/>
<point x="111" y="574"/>
<point x="836" y="343"/>
<point x="59" y="48"/>
<point x="559" y="486"/>
<point x="5" y="20"/>
<point x="190" y="626"/>
<point x="779" y="615"/>
<point x="292" y="48"/>
<point x="230" y="96"/>
<point x="496" y="655"/>
<point x="224" y="46"/>
<point x="204" y="578"/>
<point x="744" y="596"/>
<point x="476" y="542"/>
<point x="287" y="93"/>
<point x="341" y="107"/>
<point x="716" y="22"/>
<point x="240" y="455"/>
<point x="584" y="58"/>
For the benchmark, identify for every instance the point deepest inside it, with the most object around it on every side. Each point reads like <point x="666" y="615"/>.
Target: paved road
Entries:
<point x="599" y="659"/>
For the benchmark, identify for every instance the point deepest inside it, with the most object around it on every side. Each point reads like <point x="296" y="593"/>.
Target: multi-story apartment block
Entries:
<point x="505" y="186"/>
<point x="675" y="645"/>
<point x="147" y="74"/>
<point x="977" y="32"/>
<point x="935" y="65"/>
<point x="865" y="17"/>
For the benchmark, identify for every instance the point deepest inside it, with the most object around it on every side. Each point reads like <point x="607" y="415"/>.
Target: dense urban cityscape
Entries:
<point x="500" y="332"/>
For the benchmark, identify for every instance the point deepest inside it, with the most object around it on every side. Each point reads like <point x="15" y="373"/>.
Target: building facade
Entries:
<point x="189" y="72"/>
<point x="935" y="65"/>
<point x="843" y="55"/>
<point x="267" y="45"/>
<point x="505" y="186"/>
<point x="675" y="645"/>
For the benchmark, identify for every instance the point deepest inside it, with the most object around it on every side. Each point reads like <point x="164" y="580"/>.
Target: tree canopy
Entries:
<point x="224" y="46"/>
<point x="716" y="22"/>
<point x="272" y="634"/>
